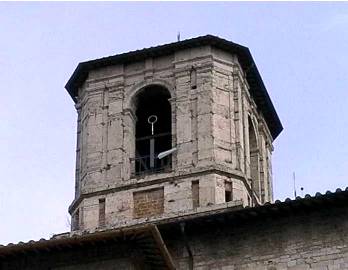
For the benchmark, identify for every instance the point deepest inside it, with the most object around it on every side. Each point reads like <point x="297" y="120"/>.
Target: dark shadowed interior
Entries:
<point x="153" y="101"/>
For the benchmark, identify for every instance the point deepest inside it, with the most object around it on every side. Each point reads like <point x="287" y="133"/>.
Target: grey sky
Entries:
<point x="299" y="48"/>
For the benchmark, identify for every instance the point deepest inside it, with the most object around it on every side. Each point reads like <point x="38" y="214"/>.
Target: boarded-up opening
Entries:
<point x="148" y="203"/>
<point x="102" y="212"/>
<point x="228" y="191"/>
<point x="75" y="220"/>
<point x="195" y="194"/>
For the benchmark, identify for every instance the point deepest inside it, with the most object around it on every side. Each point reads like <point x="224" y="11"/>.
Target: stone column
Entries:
<point x="238" y="117"/>
<point x="183" y="121"/>
<point x="115" y="134"/>
<point x="205" y="120"/>
<point x="128" y="123"/>
<point x="78" y="152"/>
<point x="92" y="134"/>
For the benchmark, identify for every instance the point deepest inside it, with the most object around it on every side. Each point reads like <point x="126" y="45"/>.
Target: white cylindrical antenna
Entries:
<point x="166" y="153"/>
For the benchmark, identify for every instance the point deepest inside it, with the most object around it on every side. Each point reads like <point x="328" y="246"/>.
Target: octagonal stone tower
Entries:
<point x="170" y="130"/>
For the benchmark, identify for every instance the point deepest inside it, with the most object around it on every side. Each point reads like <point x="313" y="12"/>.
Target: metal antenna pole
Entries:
<point x="294" y="178"/>
<point x="152" y="153"/>
<point x="152" y="120"/>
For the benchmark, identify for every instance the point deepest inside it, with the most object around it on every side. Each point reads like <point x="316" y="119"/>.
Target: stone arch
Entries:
<point x="151" y="103"/>
<point x="253" y="123"/>
<point x="134" y="90"/>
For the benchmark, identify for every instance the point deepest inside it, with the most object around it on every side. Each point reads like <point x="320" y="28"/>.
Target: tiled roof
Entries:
<point x="257" y="87"/>
<point x="146" y="237"/>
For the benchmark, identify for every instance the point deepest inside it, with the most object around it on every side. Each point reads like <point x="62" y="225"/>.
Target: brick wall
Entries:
<point x="148" y="203"/>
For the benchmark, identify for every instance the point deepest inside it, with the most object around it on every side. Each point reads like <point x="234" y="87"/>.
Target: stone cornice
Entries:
<point x="150" y="180"/>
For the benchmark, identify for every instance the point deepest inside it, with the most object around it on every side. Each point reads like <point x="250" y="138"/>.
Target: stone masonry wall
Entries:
<point x="303" y="241"/>
<point x="178" y="198"/>
<point x="209" y="129"/>
<point x="102" y="265"/>
<point x="232" y="106"/>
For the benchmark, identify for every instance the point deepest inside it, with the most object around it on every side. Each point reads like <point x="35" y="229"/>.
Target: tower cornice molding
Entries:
<point x="135" y="183"/>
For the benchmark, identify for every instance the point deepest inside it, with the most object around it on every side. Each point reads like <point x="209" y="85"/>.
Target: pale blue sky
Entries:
<point x="299" y="48"/>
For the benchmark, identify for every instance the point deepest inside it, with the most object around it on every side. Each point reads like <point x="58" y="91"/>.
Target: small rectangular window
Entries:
<point x="195" y="194"/>
<point x="102" y="212"/>
<point x="76" y="220"/>
<point x="81" y="221"/>
<point x="228" y="191"/>
<point x="193" y="78"/>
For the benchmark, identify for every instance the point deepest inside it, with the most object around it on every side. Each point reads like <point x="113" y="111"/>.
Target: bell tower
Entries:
<point x="170" y="130"/>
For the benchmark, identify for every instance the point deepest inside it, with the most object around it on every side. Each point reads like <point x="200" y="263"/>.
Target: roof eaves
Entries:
<point x="258" y="89"/>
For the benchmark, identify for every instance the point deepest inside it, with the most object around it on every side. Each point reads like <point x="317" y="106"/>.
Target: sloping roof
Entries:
<point x="278" y="208"/>
<point x="257" y="87"/>
<point x="146" y="237"/>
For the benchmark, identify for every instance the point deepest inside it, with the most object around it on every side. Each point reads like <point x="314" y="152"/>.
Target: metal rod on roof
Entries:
<point x="294" y="179"/>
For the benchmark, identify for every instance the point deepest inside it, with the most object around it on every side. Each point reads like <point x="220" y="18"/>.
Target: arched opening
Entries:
<point x="254" y="159"/>
<point x="153" y="130"/>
